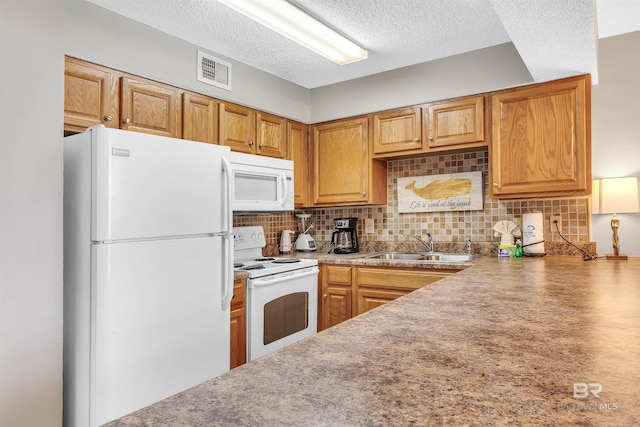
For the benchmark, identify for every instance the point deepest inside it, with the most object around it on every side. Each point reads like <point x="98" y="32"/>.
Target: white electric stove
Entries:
<point x="282" y="294"/>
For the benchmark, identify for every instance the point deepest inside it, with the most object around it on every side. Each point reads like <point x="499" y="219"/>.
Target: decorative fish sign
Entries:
<point x="442" y="188"/>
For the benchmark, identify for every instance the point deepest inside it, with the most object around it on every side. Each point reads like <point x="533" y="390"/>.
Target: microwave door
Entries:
<point x="257" y="191"/>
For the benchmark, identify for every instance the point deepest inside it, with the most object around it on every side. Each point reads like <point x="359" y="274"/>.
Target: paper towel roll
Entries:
<point x="533" y="232"/>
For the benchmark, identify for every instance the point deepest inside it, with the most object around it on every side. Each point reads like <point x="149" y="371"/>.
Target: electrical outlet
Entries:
<point x="552" y="224"/>
<point x="368" y="225"/>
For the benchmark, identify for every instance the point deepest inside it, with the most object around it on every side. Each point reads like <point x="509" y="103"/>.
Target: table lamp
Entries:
<point x="614" y="196"/>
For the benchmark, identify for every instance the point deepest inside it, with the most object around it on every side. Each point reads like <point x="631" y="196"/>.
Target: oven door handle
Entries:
<point x="264" y="282"/>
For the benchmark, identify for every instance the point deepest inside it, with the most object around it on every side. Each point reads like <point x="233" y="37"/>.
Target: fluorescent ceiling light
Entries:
<point x="286" y="19"/>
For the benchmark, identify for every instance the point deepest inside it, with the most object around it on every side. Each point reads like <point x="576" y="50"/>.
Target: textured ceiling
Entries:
<point x="555" y="38"/>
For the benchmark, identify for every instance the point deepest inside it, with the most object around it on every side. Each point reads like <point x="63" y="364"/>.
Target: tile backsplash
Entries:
<point x="457" y="226"/>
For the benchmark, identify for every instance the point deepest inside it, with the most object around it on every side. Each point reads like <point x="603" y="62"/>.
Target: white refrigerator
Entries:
<point x="148" y="270"/>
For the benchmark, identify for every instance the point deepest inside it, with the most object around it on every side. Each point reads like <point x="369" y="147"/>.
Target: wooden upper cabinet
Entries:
<point x="298" y="146"/>
<point x="455" y="122"/>
<point x="271" y="135"/>
<point x="237" y="127"/>
<point x="343" y="171"/>
<point x="90" y="96"/>
<point x="253" y="132"/>
<point x="150" y="107"/>
<point x="200" y="118"/>
<point x="541" y="141"/>
<point x="397" y="131"/>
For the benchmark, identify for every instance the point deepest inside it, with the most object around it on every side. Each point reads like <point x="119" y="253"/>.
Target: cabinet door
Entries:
<point x="457" y="121"/>
<point x="200" y="118"/>
<point x="298" y="145"/>
<point x="271" y="135"/>
<point x="238" y="325"/>
<point x="377" y="286"/>
<point x="398" y="278"/>
<point x="397" y="131"/>
<point x="90" y="96"/>
<point x="336" y="295"/>
<point x="337" y="305"/>
<point x="541" y="142"/>
<point x="150" y="107"/>
<point x="369" y="299"/>
<point x="341" y="161"/>
<point x="237" y="127"/>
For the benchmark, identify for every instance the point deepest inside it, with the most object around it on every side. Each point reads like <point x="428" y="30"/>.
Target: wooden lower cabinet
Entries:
<point x="238" y="325"/>
<point x="370" y="287"/>
<point x="371" y="298"/>
<point x="335" y="289"/>
<point x="378" y="285"/>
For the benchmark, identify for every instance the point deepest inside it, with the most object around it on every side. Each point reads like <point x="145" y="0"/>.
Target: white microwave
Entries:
<point x="261" y="184"/>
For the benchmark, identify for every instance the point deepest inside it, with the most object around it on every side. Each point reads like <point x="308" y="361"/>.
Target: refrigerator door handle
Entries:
<point x="229" y="190"/>
<point x="227" y="263"/>
<point x="227" y="271"/>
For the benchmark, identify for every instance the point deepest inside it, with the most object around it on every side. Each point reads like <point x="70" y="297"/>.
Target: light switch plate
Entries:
<point x="369" y="224"/>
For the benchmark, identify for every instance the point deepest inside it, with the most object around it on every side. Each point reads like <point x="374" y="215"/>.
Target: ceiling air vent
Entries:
<point x="214" y="71"/>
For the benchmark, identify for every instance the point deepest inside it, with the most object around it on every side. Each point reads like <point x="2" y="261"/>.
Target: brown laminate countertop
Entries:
<point x="503" y="342"/>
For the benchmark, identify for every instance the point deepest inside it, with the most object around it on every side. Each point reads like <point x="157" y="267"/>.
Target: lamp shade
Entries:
<point x="615" y="195"/>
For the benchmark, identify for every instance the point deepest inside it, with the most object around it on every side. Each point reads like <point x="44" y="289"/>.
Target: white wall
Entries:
<point x="98" y="35"/>
<point x="483" y="70"/>
<point x="616" y="131"/>
<point x="31" y="101"/>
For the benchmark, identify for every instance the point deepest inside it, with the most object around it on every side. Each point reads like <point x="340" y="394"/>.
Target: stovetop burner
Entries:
<point x="286" y="260"/>
<point x="237" y="264"/>
<point x="253" y="267"/>
<point x="264" y="259"/>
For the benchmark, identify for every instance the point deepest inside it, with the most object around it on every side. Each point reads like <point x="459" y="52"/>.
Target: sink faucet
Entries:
<point x="428" y="245"/>
<point x="469" y="247"/>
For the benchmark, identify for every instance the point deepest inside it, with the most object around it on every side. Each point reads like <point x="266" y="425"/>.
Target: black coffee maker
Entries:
<point x="345" y="239"/>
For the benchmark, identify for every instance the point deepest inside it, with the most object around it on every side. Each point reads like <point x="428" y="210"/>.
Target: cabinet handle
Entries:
<point x="250" y="143"/>
<point x="324" y="296"/>
<point x="430" y="138"/>
<point x="416" y="139"/>
<point x="364" y="193"/>
<point x="261" y="145"/>
<point x="495" y="184"/>
<point x="107" y="118"/>
<point x="127" y="121"/>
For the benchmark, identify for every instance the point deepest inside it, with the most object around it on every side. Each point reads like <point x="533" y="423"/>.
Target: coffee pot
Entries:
<point x="345" y="239"/>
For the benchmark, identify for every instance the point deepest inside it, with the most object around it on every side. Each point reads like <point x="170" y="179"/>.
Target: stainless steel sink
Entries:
<point x="398" y="255"/>
<point x="444" y="257"/>
<point x="423" y="256"/>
